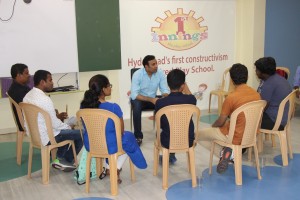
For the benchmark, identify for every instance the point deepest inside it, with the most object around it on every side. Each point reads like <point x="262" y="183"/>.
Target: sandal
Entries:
<point x="118" y="173"/>
<point x="107" y="172"/>
<point x="104" y="173"/>
<point x="223" y="164"/>
<point x="139" y="141"/>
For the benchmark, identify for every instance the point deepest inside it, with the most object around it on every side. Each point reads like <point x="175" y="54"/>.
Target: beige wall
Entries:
<point x="250" y="23"/>
<point x="250" y="34"/>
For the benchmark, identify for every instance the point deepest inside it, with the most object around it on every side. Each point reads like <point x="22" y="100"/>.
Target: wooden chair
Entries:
<point x="31" y="113"/>
<point x="284" y="135"/>
<point x="253" y="113"/>
<point x="95" y="122"/>
<point x="179" y="117"/>
<point x="225" y="88"/>
<point x="20" y="133"/>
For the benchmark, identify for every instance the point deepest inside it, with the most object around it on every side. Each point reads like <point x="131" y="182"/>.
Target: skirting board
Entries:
<point x="8" y="130"/>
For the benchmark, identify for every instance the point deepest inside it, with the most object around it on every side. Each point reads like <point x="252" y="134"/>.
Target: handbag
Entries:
<point x="80" y="173"/>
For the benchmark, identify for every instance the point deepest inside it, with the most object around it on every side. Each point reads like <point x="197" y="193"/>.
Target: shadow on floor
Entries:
<point x="277" y="183"/>
<point x="9" y="168"/>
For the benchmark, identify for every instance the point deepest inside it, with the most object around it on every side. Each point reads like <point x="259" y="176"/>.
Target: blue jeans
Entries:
<point x="137" y="107"/>
<point x="64" y="152"/>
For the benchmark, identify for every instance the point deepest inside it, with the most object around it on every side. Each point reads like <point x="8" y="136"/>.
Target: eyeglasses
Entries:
<point x="109" y="85"/>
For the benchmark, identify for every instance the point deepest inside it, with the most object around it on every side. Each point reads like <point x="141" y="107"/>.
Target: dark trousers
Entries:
<point x="268" y="124"/>
<point x="64" y="152"/>
<point x="137" y="107"/>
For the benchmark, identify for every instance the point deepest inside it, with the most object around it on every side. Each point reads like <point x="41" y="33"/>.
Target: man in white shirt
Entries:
<point x="62" y="131"/>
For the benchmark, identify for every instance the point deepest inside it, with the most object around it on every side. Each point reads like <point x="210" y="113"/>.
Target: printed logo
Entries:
<point x="201" y="89"/>
<point x="179" y="31"/>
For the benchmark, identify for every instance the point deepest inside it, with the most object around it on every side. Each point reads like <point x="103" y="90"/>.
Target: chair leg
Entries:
<point x="257" y="162"/>
<point x="249" y="154"/>
<point x="153" y="123"/>
<point x="188" y="161"/>
<point x="212" y="149"/>
<point x="220" y="102"/>
<point x="192" y="166"/>
<point x="165" y="168"/>
<point x="98" y="166"/>
<point x="87" y="171"/>
<point x="132" y="170"/>
<point x="273" y="141"/>
<point x="237" y="151"/>
<point x="289" y="143"/>
<point x="283" y="146"/>
<point x="30" y="160"/>
<point x="260" y="145"/>
<point x="19" y="142"/>
<point x="45" y="153"/>
<point x="209" y="102"/>
<point x="113" y="174"/>
<point x="74" y="153"/>
<point x="267" y="137"/>
<point x="155" y="160"/>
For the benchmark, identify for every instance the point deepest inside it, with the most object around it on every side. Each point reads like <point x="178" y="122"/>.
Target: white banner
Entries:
<point x="194" y="36"/>
<point x="41" y="35"/>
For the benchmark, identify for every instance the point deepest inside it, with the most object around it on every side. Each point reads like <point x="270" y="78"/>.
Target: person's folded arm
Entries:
<point x="135" y="87"/>
<point x="56" y="123"/>
<point x="144" y="98"/>
<point x="186" y="89"/>
<point x="163" y="86"/>
<point x="220" y="121"/>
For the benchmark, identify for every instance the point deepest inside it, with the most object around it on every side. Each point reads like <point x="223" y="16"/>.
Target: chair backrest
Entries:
<point x="31" y="113"/>
<point x="227" y="84"/>
<point x="290" y="101"/>
<point x="253" y="114"/>
<point x="285" y="69"/>
<point x="132" y="72"/>
<point x="95" y="121"/>
<point x="19" y="117"/>
<point x="179" y="118"/>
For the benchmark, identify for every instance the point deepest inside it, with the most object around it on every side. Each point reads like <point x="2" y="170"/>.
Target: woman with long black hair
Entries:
<point x="99" y="88"/>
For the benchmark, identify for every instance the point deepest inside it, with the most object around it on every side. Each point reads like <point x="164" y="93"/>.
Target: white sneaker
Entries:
<point x="63" y="165"/>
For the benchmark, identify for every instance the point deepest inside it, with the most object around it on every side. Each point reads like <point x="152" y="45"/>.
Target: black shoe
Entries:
<point x="224" y="161"/>
<point x="172" y="159"/>
<point x="139" y="141"/>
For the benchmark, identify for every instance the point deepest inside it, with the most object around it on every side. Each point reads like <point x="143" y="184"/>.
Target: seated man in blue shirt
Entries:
<point x="144" y="85"/>
<point x="273" y="88"/>
<point x="180" y="94"/>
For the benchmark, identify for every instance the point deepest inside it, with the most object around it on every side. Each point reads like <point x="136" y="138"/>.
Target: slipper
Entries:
<point x="119" y="179"/>
<point x="104" y="173"/>
<point x="223" y="164"/>
<point x="139" y="141"/>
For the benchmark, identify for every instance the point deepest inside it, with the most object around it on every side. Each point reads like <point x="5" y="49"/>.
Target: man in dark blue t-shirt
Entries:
<point x="180" y="94"/>
<point x="273" y="88"/>
<point x="19" y="87"/>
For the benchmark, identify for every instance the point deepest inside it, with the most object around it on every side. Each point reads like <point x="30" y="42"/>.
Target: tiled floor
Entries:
<point x="63" y="185"/>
